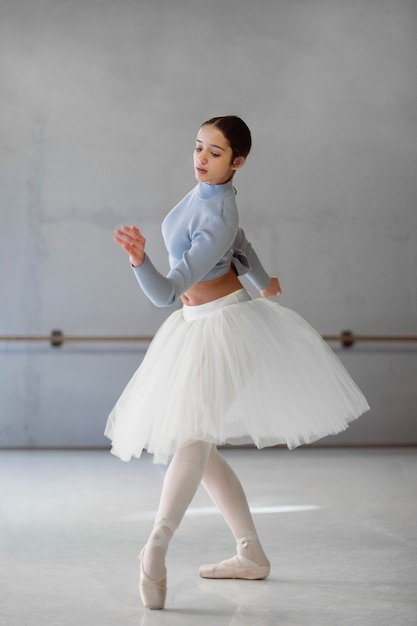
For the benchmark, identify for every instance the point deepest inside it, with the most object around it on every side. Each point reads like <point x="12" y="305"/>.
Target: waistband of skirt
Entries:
<point x="199" y="311"/>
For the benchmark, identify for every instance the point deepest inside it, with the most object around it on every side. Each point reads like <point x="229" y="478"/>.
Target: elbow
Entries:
<point x="162" y="301"/>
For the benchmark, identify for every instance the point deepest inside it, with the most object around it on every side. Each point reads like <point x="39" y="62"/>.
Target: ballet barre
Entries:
<point x="57" y="338"/>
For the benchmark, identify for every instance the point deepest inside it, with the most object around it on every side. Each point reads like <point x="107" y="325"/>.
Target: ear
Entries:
<point x="238" y="162"/>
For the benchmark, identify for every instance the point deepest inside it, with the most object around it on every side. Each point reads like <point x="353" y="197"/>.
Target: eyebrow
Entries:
<point x="212" y="145"/>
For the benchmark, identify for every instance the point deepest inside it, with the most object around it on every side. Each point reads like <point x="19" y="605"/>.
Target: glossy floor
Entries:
<point x="339" y="526"/>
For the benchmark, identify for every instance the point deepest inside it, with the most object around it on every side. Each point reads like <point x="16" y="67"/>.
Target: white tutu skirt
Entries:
<point x="235" y="370"/>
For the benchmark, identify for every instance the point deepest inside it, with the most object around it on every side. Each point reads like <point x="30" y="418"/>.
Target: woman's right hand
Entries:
<point x="133" y="242"/>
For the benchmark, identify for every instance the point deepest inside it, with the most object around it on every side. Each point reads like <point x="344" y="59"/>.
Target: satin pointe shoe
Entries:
<point x="153" y="592"/>
<point x="238" y="566"/>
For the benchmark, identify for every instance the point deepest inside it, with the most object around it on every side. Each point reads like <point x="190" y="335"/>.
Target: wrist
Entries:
<point x="135" y="262"/>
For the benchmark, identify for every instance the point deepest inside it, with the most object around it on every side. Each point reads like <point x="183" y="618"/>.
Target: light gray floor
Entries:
<point x="338" y="525"/>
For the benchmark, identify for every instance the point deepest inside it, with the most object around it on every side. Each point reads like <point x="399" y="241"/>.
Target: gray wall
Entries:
<point x="100" y="102"/>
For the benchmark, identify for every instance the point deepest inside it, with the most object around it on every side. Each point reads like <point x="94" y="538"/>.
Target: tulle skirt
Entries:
<point x="235" y="370"/>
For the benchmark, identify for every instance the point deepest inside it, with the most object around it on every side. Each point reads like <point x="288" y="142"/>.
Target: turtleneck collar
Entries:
<point x="207" y="191"/>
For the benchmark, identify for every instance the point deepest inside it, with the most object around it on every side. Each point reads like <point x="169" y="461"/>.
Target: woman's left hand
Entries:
<point x="273" y="289"/>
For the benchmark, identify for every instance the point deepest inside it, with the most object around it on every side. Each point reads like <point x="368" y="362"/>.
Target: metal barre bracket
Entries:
<point x="57" y="338"/>
<point x="347" y="338"/>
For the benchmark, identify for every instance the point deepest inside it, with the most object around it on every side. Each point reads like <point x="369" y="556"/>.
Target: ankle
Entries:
<point x="249" y="547"/>
<point x="245" y="542"/>
<point x="161" y="534"/>
<point x="153" y="555"/>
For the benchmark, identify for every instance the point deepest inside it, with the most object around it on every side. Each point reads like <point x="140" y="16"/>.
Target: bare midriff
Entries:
<point x="209" y="290"/>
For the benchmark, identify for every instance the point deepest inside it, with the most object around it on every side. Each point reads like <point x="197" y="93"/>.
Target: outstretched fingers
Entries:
<point x="132" y="241"/>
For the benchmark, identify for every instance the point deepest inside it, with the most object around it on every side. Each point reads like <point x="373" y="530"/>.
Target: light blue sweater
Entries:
<point x="203" y="239"/>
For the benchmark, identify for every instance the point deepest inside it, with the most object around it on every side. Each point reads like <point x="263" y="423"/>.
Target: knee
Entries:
<point x="196" y="453"/>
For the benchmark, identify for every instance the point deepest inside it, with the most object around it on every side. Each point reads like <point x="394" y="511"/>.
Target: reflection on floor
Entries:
<point x="339" y="526"/>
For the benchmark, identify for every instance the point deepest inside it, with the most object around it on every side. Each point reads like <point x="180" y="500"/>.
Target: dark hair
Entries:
<point x="236" y="132"/>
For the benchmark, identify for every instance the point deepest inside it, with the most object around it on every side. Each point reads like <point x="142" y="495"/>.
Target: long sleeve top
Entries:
<point x="204" y="240"/>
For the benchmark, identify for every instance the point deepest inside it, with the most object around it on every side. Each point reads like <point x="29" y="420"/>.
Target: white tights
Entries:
<point x="192" y="464"/>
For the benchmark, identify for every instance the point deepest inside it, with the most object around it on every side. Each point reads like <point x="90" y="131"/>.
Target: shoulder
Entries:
<point x="205" y="207"/>
<point x="218" y="217"/>
<point x="216" y="200"/>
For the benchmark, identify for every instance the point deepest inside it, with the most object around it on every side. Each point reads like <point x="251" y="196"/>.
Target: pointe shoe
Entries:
<point x="153" y="592"/>
<point x="244" y="569"/>
<point x="238" y="566"/>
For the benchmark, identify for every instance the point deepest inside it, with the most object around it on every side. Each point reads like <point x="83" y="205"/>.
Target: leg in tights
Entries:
<point x="181" y="482"/>
<point x="227" y="493"/>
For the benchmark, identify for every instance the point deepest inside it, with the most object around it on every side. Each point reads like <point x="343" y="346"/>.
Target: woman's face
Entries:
<point x="213" y="157"/>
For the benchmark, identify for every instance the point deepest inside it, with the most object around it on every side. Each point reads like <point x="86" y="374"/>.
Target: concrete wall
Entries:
<point x="100" y="103"/>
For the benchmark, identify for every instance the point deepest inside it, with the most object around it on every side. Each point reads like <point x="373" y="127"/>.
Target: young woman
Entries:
<point x="224" y="368"/>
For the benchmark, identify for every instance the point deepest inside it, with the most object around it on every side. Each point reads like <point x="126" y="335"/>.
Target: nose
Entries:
<point x="202" y="156"/>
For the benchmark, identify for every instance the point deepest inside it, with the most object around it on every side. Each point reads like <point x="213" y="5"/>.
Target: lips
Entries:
<point x="200" y="170"/>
